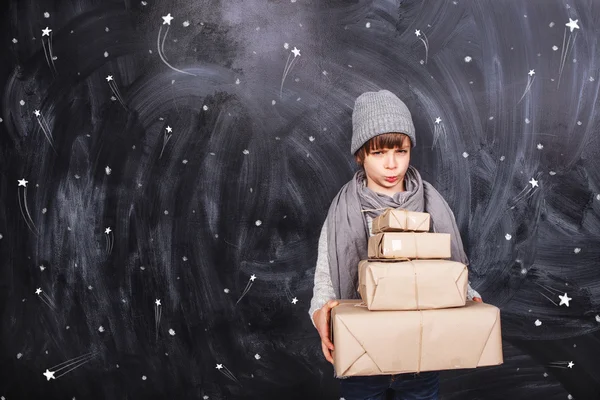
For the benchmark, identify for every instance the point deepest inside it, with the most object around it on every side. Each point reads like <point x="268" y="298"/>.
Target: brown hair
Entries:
<point x="379" y="142"/>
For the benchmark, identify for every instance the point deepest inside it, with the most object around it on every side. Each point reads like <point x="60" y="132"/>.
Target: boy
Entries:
<point x="382" y="137"/>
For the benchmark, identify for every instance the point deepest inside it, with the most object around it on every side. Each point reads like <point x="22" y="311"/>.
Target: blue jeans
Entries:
<point x="423" y="386"/>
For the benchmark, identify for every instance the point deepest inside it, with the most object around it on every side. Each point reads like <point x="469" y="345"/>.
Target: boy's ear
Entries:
<point x="357" y="159"/>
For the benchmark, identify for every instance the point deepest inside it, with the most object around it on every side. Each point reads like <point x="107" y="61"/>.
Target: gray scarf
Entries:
<point x="347" y="229"/>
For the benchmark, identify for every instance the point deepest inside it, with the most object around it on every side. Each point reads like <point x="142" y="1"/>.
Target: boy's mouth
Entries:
<point x="391" y="179"/>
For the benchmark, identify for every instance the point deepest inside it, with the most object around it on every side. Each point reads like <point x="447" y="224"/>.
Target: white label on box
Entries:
<point x="396" y="245"/>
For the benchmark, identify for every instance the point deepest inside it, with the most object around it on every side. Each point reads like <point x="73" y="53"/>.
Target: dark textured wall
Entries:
<point x="212" y="152"/>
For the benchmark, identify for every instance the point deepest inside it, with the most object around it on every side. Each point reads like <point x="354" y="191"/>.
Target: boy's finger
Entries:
<point x="477" y="299"/>
<point x="326" y="353"/>
<point x="327" y="343"/>
<point x="325" y="338"/>
<point x="324" y="333"/>
<point x="332" y="303"/>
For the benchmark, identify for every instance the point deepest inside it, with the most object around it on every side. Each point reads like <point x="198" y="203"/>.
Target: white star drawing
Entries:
<point x="294" y="300"/>
<point x="38" y="291"/>
<point x="417" y="32"/>
<point x="109" y="78"/>
<point x="37" y="113"/>
<point x="157" y="302"/>
<point x="538" y="322"/>
<point x="46" y="32"/>
<point x="571" y="364"/>
<point x="296" y="52"/>
<point x="534" y="183"/>
<point x="22" y="182"/>
<point x="564" y="299"/>
<point x="107" y="230"/>
<point x="167" y="19"/>
<point x="169" y="129"/>
<point x="219" y="366"/>
<point x="252" y="277"/>
<point x="438" y="120"/>
<point x="49" y="374"/>
<point x="572" y="24"/>
<point x="531" y="72"/>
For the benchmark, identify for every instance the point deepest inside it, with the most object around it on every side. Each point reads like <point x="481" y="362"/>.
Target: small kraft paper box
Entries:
<point x="394" y="220"/>
<point x="409" y="245"/>
<point x="412" y="285"/>
<point x="396" y="342"/>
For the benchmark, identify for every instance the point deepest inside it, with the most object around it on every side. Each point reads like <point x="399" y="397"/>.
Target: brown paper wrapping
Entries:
<point x="412" y="285"/>
<point x="393" y="220"/>
<point x="409" y="245"/>
<point x="393" y="342"/>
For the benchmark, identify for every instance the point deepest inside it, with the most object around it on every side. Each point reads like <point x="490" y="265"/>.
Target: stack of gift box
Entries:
<point x="413" y="315"/>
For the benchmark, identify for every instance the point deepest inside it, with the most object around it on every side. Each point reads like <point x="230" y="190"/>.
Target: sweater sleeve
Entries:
<point x="472" y="293"/>
<point x="323" y="287"/>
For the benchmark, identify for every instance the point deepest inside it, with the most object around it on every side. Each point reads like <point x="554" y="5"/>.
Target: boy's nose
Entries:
<point x="390" y="162"/>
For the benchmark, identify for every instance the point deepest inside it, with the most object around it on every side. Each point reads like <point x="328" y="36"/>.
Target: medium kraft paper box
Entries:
<point x="409" y="245"/>
<point x="395" y="342"/>
<point x="412" y="285"/>
<point x="394" y="220"/>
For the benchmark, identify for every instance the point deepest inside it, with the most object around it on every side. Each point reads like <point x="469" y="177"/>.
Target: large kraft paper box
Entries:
<point x="393" y="342"/>
<point x="409" y="245"/>
<point x="412" y="285"/>
<point x="393" y="220"/>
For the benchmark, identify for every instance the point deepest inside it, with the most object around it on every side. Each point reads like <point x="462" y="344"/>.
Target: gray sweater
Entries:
<point x="323" y="288"/>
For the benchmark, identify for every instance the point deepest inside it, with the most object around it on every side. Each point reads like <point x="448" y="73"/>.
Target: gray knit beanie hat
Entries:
<point x="380" y="112"/>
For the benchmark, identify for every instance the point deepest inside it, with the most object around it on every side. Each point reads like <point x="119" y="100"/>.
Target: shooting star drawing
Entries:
<point x="564" y="52"/>
<point x="160" y="45"/>
<point x="247" y="288"/>
<point x="225" y="371"/>
<point x="68" y="366"/>
<point x="115" y="90"/>
<point x="157" y="316"/>
<point x="525" y="193"/>
<point x="438" y="132"/>
<point x="530" y="79"/>
<point x="561" y="364"/>
<point x="564" y="298"/>
<point x="44" y="297"/>
<point x="425" y="42"/>
<point x="110" y="240"/>
<point x="288" y="67"/>
<point x="22" y="195"/>
<point x="45" y="128"/>
<point x="47" y="45"/>
<point x="289" y="295"/>
<point x="166" y="138"/>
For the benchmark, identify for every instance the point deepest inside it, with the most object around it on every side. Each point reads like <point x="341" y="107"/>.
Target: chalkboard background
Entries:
<point x="167" y="166"/>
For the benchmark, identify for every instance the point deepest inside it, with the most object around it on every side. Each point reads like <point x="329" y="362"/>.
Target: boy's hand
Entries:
<point x="477" y="299"/>
<point x="321" y="318"/>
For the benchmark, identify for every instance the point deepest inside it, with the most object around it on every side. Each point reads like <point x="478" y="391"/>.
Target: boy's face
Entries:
<point x="385" y="168"/>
